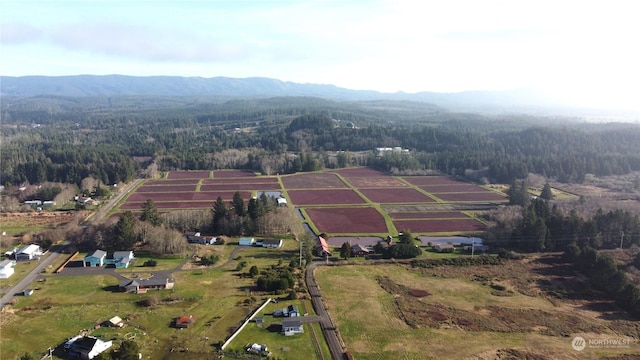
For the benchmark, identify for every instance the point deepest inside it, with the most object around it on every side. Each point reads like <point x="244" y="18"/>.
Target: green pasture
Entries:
<point x="371" y="328"/>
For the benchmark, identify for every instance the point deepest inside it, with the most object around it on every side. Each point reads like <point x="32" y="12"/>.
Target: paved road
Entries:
<point x="331" y="336"/>
<point x="100" y="214"/>
<point x="57" y="250"/>
<point x="17" y="289"/>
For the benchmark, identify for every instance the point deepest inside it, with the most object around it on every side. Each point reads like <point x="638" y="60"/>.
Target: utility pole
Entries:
<point x="300" y="242"/>
<point x="621" y="238"/>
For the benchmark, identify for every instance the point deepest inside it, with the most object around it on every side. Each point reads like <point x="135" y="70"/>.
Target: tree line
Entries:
<point x="541" y="227"/>
<point x="286" y="135"/>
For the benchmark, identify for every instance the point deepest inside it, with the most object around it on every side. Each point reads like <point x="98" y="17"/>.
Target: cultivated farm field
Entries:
<point x="338" y="202"/>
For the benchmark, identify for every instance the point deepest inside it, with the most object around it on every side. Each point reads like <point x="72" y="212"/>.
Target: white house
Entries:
<point x="6" y="268"/>
<point x="29" y="252"/>
<point x="246" y="241"/>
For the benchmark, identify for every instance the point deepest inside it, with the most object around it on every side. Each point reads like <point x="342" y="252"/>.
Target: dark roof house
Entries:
<point x="88" y="347"/>
<point x="291" y="327"/>
<point x="272" y="243"/>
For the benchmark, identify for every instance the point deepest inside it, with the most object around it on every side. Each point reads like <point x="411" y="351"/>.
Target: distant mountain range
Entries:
<point x="120" y="85"/>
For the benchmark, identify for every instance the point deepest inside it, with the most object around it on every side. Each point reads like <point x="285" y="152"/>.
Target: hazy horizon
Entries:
<point x="582" y="54"/>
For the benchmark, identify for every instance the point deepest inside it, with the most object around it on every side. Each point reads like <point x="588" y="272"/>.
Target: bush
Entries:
<point x="150" y="263"/>
<point x="209" y="260"/>
<point x="150" y="301"/>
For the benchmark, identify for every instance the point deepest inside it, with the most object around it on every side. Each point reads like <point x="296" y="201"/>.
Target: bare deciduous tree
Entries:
<point x="187" y="220"/>
<point x="88" y="184"/>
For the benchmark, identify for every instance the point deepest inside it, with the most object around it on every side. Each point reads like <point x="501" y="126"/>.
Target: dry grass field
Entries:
<point x="530" y="308"/>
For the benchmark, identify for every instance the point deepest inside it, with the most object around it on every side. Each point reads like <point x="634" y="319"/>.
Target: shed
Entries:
<point x="94" y="259"/>
<point x="185" y="321"/>
<point x="246" y="241"/>
<point x="116" y="321"/>
<point x="282" y="202"/>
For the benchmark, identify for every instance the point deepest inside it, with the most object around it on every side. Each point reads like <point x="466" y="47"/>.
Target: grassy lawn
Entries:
<point x="162" y="263"/>
<point x="371" y="328"/>
<point x="298" y="346"/>
<point x="217" y="297"/>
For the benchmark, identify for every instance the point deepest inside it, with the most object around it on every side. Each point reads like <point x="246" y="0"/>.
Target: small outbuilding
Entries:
<point x="184" y="322"/>
<point x="115" y="321"/>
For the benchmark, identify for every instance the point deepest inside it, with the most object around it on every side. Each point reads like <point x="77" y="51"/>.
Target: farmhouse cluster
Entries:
<point x="26" y="253"/>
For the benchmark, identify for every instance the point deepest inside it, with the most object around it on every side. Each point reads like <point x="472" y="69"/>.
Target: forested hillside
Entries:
<point x="65" y="139"/>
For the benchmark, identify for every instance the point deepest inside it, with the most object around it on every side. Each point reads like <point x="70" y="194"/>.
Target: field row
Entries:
<point x="338" y="201"/>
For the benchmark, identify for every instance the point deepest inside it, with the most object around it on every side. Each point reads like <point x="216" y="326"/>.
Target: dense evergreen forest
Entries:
<point x="62" y="139"/>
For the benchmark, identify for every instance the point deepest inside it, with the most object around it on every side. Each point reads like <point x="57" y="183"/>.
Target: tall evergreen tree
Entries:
<point x="150" y="213"/>
<point x="518" y="194"/>
<point x="345" y="250"/>
<point x="219" y="213"/>
<point x="124" y="234"/>
<point x="546" y="193"/>
<point x="238" y="204"/>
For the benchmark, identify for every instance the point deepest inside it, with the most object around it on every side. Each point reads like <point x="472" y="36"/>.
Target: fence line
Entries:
<point x="244" y="324"/>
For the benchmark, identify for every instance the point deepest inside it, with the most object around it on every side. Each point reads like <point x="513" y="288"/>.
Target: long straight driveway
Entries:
<point x="331" y="336"/>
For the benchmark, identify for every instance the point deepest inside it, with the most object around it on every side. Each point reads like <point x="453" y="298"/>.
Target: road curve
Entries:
<point x="329" y="331"/>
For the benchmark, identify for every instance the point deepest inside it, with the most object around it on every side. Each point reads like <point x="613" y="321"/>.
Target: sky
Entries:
<point x="583" y="52"/>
